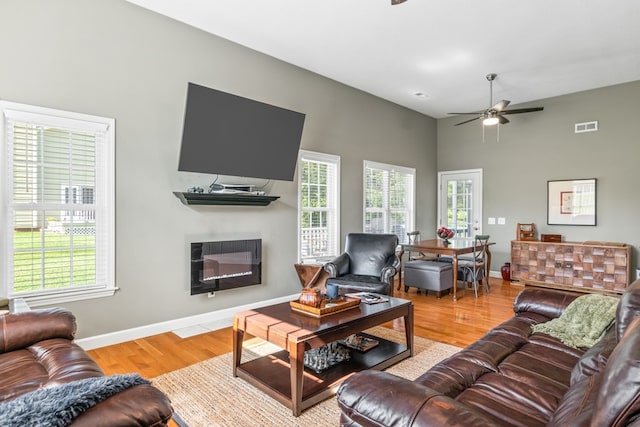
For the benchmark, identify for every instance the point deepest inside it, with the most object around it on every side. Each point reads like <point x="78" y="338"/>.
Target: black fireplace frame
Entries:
<point x="223" y="265"/>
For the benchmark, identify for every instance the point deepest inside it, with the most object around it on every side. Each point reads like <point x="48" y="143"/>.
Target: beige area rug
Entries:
<point x="206" y="394"/>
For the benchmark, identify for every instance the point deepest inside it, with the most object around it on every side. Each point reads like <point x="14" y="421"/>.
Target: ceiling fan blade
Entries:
<point x="467" y="121"/>
<point x="394" y="2"/>
<point x="474" y="112"/>
<point x="501" y="105"/>
<point x="522" y="110"/>
<point x="503" y="120"/>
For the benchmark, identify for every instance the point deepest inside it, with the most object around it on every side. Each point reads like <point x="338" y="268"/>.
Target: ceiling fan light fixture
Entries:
<point x="495" y="114"/>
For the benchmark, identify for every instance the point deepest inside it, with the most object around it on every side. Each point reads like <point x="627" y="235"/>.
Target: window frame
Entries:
<point x="386" y="210"/>
<point x="104" y="206"/>
<point x="331" y="159"/>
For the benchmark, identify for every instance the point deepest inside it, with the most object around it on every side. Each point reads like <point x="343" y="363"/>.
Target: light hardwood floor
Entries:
<point x="459" y="323"/>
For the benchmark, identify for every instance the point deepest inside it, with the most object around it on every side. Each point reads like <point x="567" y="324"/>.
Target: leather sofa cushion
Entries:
<point x="577" y="405"/>
<point x="46" y="363"/>
<point x="610" y="395"/>
<point x="509" y="400"/>
<point x="628" y="309"/>
<point x="618" y="399"/>
<point x="547" y="370"/>
<point x="595" y="358"/>
<point x="358" y="283"/>
<point x="510" y="374"/>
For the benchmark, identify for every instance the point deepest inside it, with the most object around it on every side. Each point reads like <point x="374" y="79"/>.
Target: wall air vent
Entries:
<point x="586" y="127"/>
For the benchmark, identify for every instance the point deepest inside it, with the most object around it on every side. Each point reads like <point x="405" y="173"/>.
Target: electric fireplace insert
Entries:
<point x="219" y="266"/>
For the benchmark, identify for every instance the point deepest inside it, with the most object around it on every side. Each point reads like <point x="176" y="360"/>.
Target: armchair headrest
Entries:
<point x="369" y="253"/>
<point x="386" y="243"/>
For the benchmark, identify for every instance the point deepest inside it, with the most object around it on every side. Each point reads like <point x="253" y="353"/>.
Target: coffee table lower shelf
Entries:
<point x="271" y="373"/>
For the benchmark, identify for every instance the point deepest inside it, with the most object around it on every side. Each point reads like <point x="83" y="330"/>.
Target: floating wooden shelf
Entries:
<point x="224" y="199"/>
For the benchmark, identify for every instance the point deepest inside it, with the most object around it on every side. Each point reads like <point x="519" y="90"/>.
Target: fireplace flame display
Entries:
<point x="217" y="266"/>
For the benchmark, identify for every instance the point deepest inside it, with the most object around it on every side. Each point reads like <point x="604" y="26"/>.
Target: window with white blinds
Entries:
<point x="58" y="208"/>
<point x="389" y="199"/>
<point x="318" y="206"/>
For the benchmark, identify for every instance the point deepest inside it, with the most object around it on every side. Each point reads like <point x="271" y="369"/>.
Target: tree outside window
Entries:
<point x="389" y="199"/>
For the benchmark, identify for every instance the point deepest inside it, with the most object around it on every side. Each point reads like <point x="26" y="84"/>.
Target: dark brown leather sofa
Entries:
<point x="37" y="351"/>
<point x="512" y="377"/>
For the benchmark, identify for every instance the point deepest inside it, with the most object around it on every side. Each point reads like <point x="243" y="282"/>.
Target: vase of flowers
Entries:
<point x="445" y="234"/>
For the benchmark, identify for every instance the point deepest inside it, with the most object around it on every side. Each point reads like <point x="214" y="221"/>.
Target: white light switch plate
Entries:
<point x="502" y="221"/>
<point x="492" y="221"/>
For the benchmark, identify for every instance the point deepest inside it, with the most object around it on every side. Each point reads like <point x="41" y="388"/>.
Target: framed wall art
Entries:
<point x="571" y="202"/>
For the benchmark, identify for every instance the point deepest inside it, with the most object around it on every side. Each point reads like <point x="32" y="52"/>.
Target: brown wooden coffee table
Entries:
<point x="282" y="375"/>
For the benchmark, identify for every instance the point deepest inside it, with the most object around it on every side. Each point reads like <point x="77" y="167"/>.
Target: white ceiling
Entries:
<point x="441" y="48"/>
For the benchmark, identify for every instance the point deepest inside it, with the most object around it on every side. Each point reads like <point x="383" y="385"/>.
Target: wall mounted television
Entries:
<point x="227" y="134"/>
<point x="223" y="265"/>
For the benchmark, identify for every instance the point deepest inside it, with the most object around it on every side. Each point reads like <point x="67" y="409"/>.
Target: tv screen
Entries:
<point x="230" y="135"/>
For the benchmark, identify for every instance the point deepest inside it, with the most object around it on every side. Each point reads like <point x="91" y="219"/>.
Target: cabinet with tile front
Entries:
<point x="579" y="266"/>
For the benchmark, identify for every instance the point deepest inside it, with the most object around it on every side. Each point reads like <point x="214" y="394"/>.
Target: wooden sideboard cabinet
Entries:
<point x="580" y="266"/>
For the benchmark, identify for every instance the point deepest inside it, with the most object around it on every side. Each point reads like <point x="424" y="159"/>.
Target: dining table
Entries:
<point x="452" y="247"/>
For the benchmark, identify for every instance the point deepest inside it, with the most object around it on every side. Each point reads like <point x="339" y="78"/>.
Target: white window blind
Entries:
<point x="58" y="204"/>
<point x="318" y="206"/>
<point x="389" y="199"/>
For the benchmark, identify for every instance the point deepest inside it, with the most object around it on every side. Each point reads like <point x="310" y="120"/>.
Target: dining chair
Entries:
<point x="413" y="237"/>
<point x="473" y="269"/>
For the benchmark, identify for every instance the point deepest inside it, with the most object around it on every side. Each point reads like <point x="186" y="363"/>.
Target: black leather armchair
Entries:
<point x="368" y="264"/>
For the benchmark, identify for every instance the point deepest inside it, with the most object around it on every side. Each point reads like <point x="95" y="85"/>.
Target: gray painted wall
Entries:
<point x="542" y="146"/>
<point x="114" y="59"/>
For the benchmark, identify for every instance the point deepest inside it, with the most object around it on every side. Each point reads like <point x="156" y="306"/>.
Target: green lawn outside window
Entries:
<point x="58" y="263"/>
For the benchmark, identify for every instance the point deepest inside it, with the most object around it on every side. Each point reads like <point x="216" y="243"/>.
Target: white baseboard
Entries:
<point x="221" y="317"/>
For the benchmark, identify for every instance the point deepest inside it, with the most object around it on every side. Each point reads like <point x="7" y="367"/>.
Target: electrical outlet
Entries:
<point x="502" y="220"/>
<point x="492" y="221"/>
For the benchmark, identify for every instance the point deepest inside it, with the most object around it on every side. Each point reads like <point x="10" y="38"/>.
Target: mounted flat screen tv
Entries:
<point x="230" y="135"/>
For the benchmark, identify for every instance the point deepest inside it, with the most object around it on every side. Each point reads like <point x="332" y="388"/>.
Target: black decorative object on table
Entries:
<point x="322" y="358"/>
<point x="359" y="342"/>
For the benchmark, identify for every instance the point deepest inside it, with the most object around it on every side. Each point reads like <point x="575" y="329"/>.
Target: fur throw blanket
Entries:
<point x="59" y="405"/>
<point x="583" y="322"/>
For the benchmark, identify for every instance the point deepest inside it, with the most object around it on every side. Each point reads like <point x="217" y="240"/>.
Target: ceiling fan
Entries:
<point x="394" y="2"/>
<point x="496" y="114"/>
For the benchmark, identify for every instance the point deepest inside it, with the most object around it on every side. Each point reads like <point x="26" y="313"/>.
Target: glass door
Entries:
<point x="460" y="201"/>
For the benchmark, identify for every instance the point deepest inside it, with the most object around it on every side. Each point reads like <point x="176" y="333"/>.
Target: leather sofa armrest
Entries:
<point x="338" y="266"/>
<point x="20" y="330"/>
<point x="547" y="302"/>
<point x="141" y="405"/>
<point x="628" y="309"/>
<point x="374" y="398"/>
<point x="390" y="269"/>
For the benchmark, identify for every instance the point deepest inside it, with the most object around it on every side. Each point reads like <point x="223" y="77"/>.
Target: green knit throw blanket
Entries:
<point x="583" y="322"/>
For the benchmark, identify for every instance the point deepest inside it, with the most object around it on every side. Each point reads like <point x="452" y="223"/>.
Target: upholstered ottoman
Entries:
<point x="428" y="275"/>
